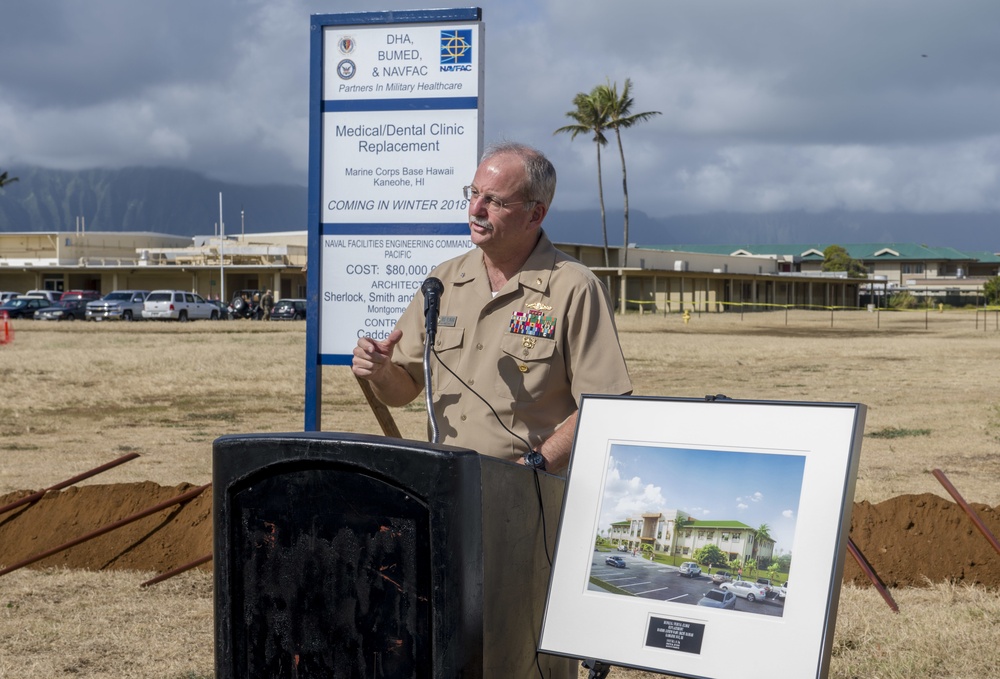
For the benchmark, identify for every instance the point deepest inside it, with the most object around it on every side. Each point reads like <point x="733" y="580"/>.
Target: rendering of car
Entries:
<point x="782" y="591"/>
<point x="719" y="577"/>
<point x="717" y="598"/>
<point x="765" y="583"/>
<point x="177" y="305"/>
<point x="616" y="561"/>
<point x="289" y="310"/>
<point x="120" y="305"/>
<point x="745" y="589"/>
<point x="689" y="569"/>
<point x="24" y="307"/>
<point x="64" y="310"/>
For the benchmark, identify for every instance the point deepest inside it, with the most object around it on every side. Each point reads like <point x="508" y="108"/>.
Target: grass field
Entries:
<point x="77" y="395"/>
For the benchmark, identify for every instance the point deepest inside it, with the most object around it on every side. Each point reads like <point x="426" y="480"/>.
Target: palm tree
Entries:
<point x="618" y="112"/>
<point x="763" y="532"/>
<point x="591" y="118"/>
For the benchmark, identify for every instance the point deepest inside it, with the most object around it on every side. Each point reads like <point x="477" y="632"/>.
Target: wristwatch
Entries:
<point x="534" y="459"/>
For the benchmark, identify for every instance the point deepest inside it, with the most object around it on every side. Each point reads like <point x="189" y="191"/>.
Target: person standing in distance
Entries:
<point x="528" y="328"/>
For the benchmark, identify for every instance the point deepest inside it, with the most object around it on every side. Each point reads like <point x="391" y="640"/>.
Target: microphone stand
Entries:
<point x="432" y="289"/>
<point x="435" y="433"/>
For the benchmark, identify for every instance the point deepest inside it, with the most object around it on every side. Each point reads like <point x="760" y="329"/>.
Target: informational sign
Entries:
<point x="395" y="133"/>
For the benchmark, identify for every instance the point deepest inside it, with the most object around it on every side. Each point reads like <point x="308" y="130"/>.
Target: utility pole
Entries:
<point x="222" y="253"/>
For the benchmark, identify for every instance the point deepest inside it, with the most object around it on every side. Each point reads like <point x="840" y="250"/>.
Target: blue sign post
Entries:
<point x="395" y="131"/>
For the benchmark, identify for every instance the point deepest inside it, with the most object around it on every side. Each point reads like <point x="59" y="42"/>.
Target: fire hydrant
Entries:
<point x="686" y="316"/>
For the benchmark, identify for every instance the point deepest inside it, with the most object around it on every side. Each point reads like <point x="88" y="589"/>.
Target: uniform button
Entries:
<point x="523" y="368"/>
<point x="464" y="418"/>
<point x="479" y="346"/>
<point x="472" y="381"/>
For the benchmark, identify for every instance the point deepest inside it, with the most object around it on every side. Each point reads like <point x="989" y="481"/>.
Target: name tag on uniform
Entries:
<point x="447" y="321"/>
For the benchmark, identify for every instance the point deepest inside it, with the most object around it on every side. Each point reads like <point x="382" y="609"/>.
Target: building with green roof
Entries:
<point x="674" y="532"/>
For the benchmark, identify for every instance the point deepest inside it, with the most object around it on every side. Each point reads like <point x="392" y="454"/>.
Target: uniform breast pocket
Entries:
<point x="448" y="345"/>
<point x="525" y="367"/>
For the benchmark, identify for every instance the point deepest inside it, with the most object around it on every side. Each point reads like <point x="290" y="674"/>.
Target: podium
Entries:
<point x="355" y="556"/>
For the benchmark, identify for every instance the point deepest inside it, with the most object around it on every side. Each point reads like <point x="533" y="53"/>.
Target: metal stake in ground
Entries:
<point x="190" y="495"/>
<point x="34" y="497"/>
<point x="939" y="475"/>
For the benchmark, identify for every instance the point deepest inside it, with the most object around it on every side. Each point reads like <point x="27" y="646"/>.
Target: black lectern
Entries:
<point x="352" y="556"/>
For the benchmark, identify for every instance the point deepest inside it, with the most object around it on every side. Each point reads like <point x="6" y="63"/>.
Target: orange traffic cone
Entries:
<point x="6" y="331"/>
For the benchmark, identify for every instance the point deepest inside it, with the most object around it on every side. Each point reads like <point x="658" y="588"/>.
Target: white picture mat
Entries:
<point x="612" y="628"/>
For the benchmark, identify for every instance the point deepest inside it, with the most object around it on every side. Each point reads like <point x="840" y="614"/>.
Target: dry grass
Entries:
<point x="75" y="396"/>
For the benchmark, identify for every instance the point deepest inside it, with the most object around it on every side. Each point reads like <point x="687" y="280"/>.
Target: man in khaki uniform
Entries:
<point x="525" y="326"/>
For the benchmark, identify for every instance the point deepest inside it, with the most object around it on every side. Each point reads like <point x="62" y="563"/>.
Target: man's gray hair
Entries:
<point x="541" y="186"/>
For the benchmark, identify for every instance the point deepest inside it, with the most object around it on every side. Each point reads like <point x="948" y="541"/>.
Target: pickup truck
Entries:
<point x="121" y="305"/>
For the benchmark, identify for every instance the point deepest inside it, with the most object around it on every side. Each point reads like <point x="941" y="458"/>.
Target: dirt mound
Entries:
<point x="909" y="540"/>
<point x="167" y="539"/>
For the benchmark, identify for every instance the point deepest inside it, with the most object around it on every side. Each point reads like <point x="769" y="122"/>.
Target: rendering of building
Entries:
<point x="675" y="533"/>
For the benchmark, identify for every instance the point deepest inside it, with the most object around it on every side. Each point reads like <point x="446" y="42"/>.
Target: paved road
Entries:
<point x="649" y="580"/>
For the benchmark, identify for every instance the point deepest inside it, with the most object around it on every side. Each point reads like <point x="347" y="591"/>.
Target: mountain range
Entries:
<point x="186" y="203"/>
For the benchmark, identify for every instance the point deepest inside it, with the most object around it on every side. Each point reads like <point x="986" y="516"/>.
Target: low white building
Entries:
<point x="675" y="533"/>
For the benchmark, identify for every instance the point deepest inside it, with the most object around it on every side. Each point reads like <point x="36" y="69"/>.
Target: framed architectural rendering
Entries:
<point x="695" y="533"/>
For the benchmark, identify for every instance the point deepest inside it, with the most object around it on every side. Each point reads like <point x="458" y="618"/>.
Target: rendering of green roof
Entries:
<point x="738" y="525"/>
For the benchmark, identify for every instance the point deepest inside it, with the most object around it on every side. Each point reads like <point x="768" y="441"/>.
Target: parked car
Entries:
<point x="782" y="591"/>
<point x="719" y="577"/>
<point x="622" y="548"/>
<point x="223" y="309"/>
<point x="121" y="305"/>
<point x="177" y="305"/>
<point x="7" y="296"/>
<point x="765" y="583"/>
<point x="246" y="304"/>
<point x="63" y="310"/>
<point x="51" y="295"/>
<point x="87" y="295"/>
<point x="616" y="561"/>
<point x="690" y="569"/>
<point x="745" y="589"/>
<point x="289" y="310"/>
<point x="24" y="307"/>
<point x="717" y="598"/>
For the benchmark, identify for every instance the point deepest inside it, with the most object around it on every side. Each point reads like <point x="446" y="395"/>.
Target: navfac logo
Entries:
<point x="456" y="50"/>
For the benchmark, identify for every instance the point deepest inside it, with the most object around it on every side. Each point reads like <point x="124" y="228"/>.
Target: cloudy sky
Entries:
<point x="709" y="485"/>
<point x="891" y="105"/>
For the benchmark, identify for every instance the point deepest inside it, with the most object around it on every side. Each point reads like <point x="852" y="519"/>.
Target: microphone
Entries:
<point x="432" y="289"/>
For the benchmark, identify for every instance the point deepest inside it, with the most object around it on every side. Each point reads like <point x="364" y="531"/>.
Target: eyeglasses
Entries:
<point x="493" y="204"/>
